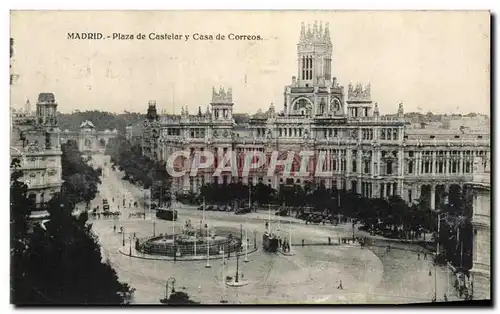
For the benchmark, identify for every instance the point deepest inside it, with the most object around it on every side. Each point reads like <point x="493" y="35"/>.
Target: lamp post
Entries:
<point x="154" y="228"/>
<point x="223" y="300"/>
<point x="130" y="246"/>
<point x="246" y="246"/>
<point x="208" y="249"/>
<point x="241" y="232"/>
<point x="255" y="239"/>
<point x="236" y="279"/>
<point x="123" y="238"/>
<point x="353" y="226"/>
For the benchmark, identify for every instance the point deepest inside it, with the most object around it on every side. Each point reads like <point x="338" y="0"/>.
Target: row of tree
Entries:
<point x="140" y="169"/>
<point x="58" y="261"/>
<point x="80" y="180"/>
<point x="391" y="217"/>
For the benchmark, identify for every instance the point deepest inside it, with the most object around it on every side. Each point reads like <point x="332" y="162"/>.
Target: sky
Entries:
<point x="431" y="61"/>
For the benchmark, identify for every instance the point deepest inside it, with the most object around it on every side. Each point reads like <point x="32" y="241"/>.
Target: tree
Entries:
<point x="80" y="180"/>
<point x="64" y="264"/>
<point x="60" y="261"/>
<point x="178" y="298"/>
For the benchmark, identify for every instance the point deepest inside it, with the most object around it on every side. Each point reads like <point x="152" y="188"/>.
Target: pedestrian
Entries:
<point x="114" y="228"/>
<point x="340" y="286"/>
<point x="418" y="256"/>
<point x="425" y="255"/>
<point x="121" y="229"/>
<point x="445" y="298"/>
<point x="430" y="272"/>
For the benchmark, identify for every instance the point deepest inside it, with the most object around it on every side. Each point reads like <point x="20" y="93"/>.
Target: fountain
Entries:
<point x="191" y="242"/>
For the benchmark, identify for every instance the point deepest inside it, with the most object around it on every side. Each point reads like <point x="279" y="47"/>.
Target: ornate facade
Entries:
<point x="481" y="222"/>
<point x="35" y="143"/>
<point x="368" y="153"/>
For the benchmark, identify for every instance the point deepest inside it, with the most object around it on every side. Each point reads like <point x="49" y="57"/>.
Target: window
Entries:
<point x="410" y="167"/>
<point x="389" y="167"/>
<point x="354" y="166"/>
<point x="367" y="167"/>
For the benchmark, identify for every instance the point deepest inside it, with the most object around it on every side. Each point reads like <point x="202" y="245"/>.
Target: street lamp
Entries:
<point x="123" y="238"/>
<point x="255" y="239"/>
<point x="130" y="246"/>
<point x="154" y="227"/>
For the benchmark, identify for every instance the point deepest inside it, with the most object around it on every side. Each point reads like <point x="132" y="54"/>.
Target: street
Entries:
<point x="369" y="275"/>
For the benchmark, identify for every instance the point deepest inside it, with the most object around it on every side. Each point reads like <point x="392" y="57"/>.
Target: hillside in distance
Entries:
<point x="102" y="120"/>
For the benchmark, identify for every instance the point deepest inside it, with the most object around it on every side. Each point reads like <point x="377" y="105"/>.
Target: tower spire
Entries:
<point x="315" y="30"/>
<point x="326" y="35"/>
<point x="320" y="34"/>
<point x="302" y="32"/>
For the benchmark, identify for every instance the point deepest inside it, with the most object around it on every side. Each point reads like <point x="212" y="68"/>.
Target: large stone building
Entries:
<point x="89" y="139"/>
<point x="35" y="142"/>
<point x="481" y="222"/>
<point x="368" y="153"/>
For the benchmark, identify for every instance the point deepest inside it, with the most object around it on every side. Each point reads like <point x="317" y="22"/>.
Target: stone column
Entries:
<point x="433" y="163"/>
<point x="400" y="162"/>
<point x="378" y="161"/>
<point x="461" y="163"/>
<point x="186" y="185"/>
<point x="418" y="191"/>
<point x="433" y="196"/>
<point x="372" y="163"/>
<point x="446" y="163"/>
<point x="349" y="161"/>
<point x="360" y="161"/>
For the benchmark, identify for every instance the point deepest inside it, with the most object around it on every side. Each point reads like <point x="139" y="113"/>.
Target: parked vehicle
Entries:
<point x="166" y="214"/>
<point x="242" y="210"/>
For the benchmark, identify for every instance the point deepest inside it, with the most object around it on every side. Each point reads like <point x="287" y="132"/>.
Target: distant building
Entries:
<point x="481" y="222"/>
<point x="134" y="133"/>
<point x="89" y="139"/>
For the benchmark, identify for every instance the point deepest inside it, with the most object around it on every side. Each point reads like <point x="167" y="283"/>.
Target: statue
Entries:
<point x="269" y="134"/>
<point x="306" y="134"/>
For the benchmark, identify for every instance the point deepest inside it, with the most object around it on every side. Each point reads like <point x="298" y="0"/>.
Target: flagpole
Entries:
<point x="290" y="240"/>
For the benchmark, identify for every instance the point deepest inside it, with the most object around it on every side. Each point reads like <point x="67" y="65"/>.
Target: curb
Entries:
<point x="124" y="251"/>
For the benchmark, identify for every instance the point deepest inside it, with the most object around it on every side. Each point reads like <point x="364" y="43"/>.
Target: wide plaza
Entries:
<point x="313" y="274"/>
